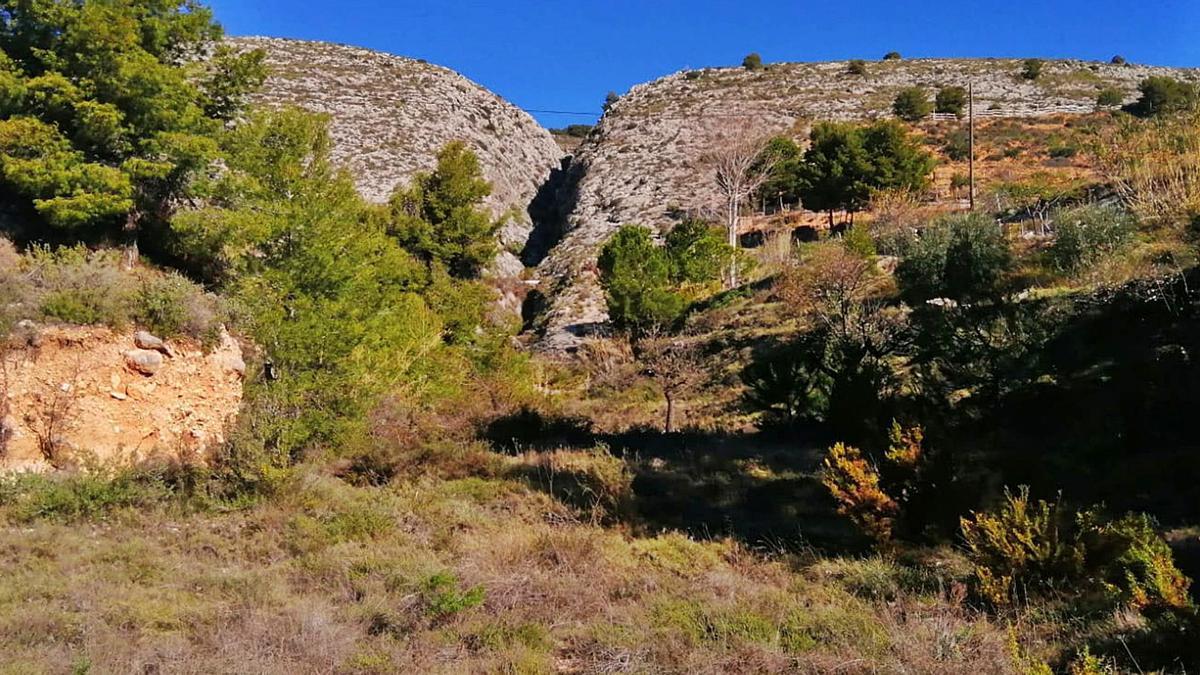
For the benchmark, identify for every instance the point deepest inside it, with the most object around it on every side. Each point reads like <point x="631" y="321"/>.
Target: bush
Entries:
<point x="1118" y="60"/>
<point x="440" y="218"/>
<point x="957" y="146"/>
<point x="1162" y="95"/>
<point x="753" y="62"/>
<point x="29" y="497"/>
<point x="912" y="105"/>
<point x="951" y="100"/>
<point x="1110" y="97"/>
<point x="963" y="258"/>
<point x="1084" y="235"/>
<point x="1062" y="151"/>
<point x="872" y="497"/>
<point x="855" y="485"/>
<point x="579" y="130"/>
<point x="444" y="598"/>
<point x="857" y="67"/>
<point x="699" y="252"/>
<point x="1041" y="547"/>
<point x="80" y="286"/>
<point x="892" y="56"/>
<point x="788" y="386"/>
<point x="169" y="305"/>
<point x="858" y="240"/>
<point x="1031" y="69"/>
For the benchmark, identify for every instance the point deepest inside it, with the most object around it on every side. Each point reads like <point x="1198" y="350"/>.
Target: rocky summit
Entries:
<point x="390" y="115"/>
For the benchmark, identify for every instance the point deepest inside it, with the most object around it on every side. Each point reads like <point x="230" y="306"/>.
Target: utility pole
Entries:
<point x="971" y="138"/>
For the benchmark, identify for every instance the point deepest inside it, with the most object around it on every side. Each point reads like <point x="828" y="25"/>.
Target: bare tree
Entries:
<point x="739" y="167"/>
<point x="53" y="416"/>
<point x="5" y="408"/>
<point x="843" y="293"/>
<point x="675" y="363"/>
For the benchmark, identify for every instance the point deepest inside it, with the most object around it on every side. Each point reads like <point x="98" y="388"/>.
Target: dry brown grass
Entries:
<point x="326" y="577"/>
<point x="1156" y="167"/>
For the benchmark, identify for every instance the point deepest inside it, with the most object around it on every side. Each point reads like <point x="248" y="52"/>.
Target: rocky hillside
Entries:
<point x="641" y="164"/>
<point x="390" y="116"/>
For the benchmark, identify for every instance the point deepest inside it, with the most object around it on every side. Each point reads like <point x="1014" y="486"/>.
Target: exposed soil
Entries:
<point x="70" y="394"/>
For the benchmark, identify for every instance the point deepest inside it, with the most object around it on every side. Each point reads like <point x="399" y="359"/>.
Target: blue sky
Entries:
<point x="568" y="55"/>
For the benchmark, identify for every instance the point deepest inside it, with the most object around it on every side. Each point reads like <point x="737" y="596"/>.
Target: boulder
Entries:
<point x="149" y="342"/>
<point x="233" y="363"/>
<point x="143" y="361"/>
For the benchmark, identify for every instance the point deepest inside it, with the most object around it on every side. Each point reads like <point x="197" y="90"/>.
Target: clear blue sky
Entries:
<point x="567" y="55"/>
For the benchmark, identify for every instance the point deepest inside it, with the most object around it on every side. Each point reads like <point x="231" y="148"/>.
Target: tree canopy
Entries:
<point x="845" y="163"/>
<point x="107" y="110"/>
<point x="950" y="100"/>
<point x="439" y="216"/>
<point x="912" y="104"/>
<point x="637" y="278"/>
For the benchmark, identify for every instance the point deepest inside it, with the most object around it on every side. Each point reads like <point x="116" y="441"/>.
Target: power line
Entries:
<point x="675" y="116"/>
<point x="562" y="112"/>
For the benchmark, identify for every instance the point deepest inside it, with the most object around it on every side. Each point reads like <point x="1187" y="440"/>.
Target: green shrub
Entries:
<point x="788" y="386"/>
<point x="1118" y="60"/>
<point x="753" y="62"/>
<point x="638" y="281"/>
<point x="892" y="56"/>
<point x="951" y="100"/>
<point x="444" y="599"/>
<point x="581" y="130"/>
<point x="957" y="146"/>
<point x="1031" y="69"/>
<point x="1040" y="547"/>
<point x="1063" y="151"/>
<point x="964" y="258"/>
<point x="857" y="67"/>
<point x="16" y="290"/>
<point x="170" y="305"/>
<point x="912" y="105"/>
<point x="699" y="252"/>
<point x="439" y="216"/>
<point x="1087" y="234"/>
<point x="28" y="497"/>
<point x="858" y="241"/>
<point x="1162" y="95"/>
<point x="1110" y="97"/>
<point x="80" y="286"/>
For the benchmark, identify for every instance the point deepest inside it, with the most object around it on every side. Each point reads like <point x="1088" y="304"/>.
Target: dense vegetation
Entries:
<point x="969" y="433"/>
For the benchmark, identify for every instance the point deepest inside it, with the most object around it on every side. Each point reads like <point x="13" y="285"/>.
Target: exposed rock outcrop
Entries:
<point x="88" y="395"/>
<point x="641" y="165"/>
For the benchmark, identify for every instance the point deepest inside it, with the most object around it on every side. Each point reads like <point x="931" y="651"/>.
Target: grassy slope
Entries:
<point x="327" y="577"/>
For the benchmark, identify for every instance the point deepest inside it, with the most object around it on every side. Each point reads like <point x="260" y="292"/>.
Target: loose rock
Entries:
<point x="146" y="341"/>
<point x="144" y="361"/>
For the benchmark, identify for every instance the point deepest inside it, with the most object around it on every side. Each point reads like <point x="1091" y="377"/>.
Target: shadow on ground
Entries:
<point x="759" y="488"/>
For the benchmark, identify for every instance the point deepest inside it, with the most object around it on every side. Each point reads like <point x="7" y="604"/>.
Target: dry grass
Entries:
<point x="326" y="577"/>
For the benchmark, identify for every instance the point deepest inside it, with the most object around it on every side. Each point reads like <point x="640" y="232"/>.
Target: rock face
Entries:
<point x="641" y="164"/>
<point x="90" y="396"/>
<point x="390" y="116"/>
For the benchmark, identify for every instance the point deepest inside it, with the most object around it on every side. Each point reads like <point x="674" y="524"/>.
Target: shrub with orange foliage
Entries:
<point x="871" y="499"/>
<point x="854" y="482"/>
